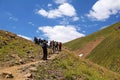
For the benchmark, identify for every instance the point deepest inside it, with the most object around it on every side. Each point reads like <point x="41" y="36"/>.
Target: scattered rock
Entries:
<point x="17" y="63"/>
<point x="117" y="28"/>
<point x="5" y="43"/>
<point x="29" y="75"/>
<point x="29" y="51"/>
<point x="7" y="75"/>
<point x="81" y="55"/>
<point x="21" y="61"/>
<point x="33" y="69"/>
<point x="15" y="56"/>
<point x="12" y="35"/>
<point x="31" y="57"/>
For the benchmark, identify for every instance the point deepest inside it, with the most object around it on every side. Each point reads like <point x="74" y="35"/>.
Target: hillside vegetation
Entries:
<point x="15" y="50"/>
<point x="67" y="66"/>
<point x="107" y="53"/>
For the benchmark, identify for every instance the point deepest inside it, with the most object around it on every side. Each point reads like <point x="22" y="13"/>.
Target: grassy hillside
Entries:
<point x="107" y="53"/>
<point x="80" y="42"/>
<point x="67" y="66"/>
<point x="15" y="50"/>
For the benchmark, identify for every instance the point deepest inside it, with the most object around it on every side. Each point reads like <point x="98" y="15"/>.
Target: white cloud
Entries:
<point x="103" y="9"/>
<point x="75" y="18"/>
<point x="31" y="23"/>
<point x="60" y="1"/>
<point x="64" y="9"/>
<point x="49" y="5"/>
<point x="13" y="18"/>
<point x="43" y="12"/>
<point x="82" y="18"/>
<point x="25" y="37"/>
<point x="103" y="27"/>
<point x="67" y="9"/>
<point x="84" y="31"/>
<point x="65" y="21"/>
<point x="61" y="33"/>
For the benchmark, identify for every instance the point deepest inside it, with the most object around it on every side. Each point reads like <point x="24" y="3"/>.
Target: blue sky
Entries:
<point x="60" y="20"/>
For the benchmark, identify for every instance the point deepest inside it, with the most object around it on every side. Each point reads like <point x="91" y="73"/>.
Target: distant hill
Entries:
<point x="102" y="47"/>
<point x="15" y="50"/>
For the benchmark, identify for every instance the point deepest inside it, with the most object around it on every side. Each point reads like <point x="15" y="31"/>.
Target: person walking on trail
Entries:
<point x="60" y="46"/>
<point x="36" y="40"/>
<point x="44" y="47"/>
<point x="52" y="46"/>
<point x="56" y="45"/>
<point x="40" y="41"/>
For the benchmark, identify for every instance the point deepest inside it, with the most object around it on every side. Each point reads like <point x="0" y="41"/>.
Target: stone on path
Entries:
<point x="7" y="75"/>
<point x="28" y="75"/>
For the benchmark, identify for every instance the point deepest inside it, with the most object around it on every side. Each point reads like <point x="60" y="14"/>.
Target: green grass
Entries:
<point x="11" y="44"/>
<point x="107" y="53"/>
<point x="80" y="42"/>
<point x="67" y="66"/>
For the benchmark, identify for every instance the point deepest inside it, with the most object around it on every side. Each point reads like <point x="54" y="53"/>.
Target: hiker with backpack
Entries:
<point x="60" y="46"/>
<point x="36" y="40"/>
<point x="56" y="45"/>
<point x="44" y="47"/>
<point x="52" y="46"/>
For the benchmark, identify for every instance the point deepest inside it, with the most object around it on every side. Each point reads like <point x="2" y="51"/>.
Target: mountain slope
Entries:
<point x="15" y="50"/>
<point x="107" y="52"/>
<point x="80" y="42"/>
<point x="67" y="66"/>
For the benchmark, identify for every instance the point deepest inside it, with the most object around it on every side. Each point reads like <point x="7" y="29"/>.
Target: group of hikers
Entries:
<point x="55" y="46"/>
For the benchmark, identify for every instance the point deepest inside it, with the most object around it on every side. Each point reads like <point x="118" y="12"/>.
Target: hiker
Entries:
<point x="44" y="47"/>
<point x="60" y="46"/>
<point x="52" y="46"/>
<point x="40" y="41"/>
<point x="56" y="45"/>
<point x="36" y="40"/>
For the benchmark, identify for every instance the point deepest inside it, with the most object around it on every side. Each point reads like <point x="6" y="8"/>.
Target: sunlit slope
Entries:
<point x="80" y="42"/>
<point x="14" y="49"/>
<point x="107" y="52"/>
<point x="68" y="66"/>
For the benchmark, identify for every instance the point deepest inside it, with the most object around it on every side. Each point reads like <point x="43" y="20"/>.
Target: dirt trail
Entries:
<point x="83" y="52"/>
<point x="15" y="70"/>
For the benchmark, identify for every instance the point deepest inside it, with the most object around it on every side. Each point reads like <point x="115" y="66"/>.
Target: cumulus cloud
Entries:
<point x="61" y="33"/>
<point x="103" y="9"/>
<point x="64" y="9"/>
<point x="25" y="37"/>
